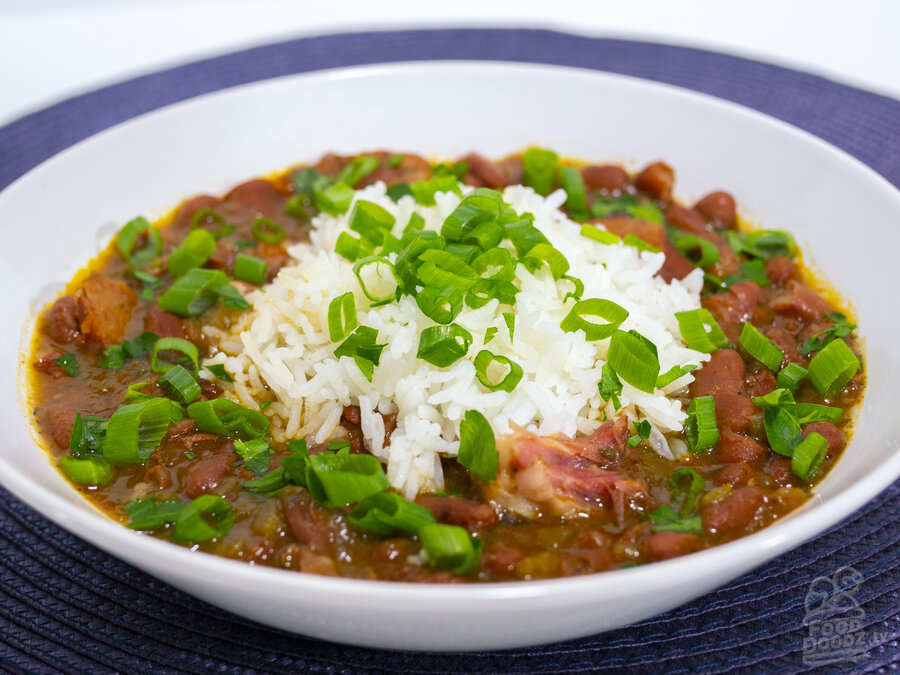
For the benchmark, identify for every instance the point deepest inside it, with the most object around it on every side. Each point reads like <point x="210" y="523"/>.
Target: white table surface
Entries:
<point x="53" y="49"/>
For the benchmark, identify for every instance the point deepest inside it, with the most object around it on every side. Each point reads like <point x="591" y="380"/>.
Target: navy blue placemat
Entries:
<point x="67" y="607"/>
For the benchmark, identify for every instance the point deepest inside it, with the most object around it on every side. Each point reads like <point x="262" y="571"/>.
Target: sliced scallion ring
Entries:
<point x="206" y="217"/>
<point x="600" y="235"/>
<point x="172" y="344"/>
<point x="207" y="517"/>
<point x="194" y="292"/>
<point x="791" y="377"/>
<point x="833" y="367"/>
<point x="699" y="251"/>
<point x="760" y="347"/>
<point x="809" y="455"/>
<point x="227" y="418"/>
<point x="377" y="278"/>
<point x="135" y="430"/>
<point x="485" y="290"/>
<point x="338" y="479"/>
<point x="267" y="231"/>
<point x="341" y="317"/>
<point x="181" y="384"/>
<point x="251" y="269"/>
<point x="539" y="169"/>
<point x="443" y="345"/>
<point x="635" y="359"/>
<point x="700" y="428"/>
<point x="700" y="331"/>
<point x="87" y="470"/>
<point x="441" y="305"/>
<point x="195" y="250"/>
<point x="546" y="254"/>
<point x="613" y="313"/>
<point x="495" y="263"/>
<point x="127" y="238"/>
<point x="572" y="182"/>
<point x="450" y="547"/>
<point x="486" y="364"/>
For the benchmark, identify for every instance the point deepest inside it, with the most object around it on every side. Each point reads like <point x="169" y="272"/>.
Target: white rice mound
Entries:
<point x="281" y="347"/>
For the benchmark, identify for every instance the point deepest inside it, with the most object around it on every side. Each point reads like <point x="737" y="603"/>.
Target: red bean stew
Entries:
<point x="116" y="393"/>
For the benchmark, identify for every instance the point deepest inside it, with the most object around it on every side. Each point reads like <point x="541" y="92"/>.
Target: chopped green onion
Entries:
<point x="489" y="334"/>
<point x="613" y="313"/>
<point x="770" y="244"/>
<point x="394" y="161"/>
<point x="296" y="207"/>
<point x="578" y="289"/>
<point x="635" y="359"/>
<point x="760" y="347"/>
<point x="692" y="493"/>
<point x="218" y="369"/>
<point x="338" y="479"/>
<point x="512" y="372"/>
<point x="700" y="331"/>
<point x="209" y="217"/>
<point x="485" y="236"/>
<point x="791" y="377"/>
<point x="195" y="250"/>
<point x="407" y="264"/>
<point x="423" y="191"/>
<point x="665" y="519"/>
<point x="69" y="364"/>
<point x="308" y="180"/>
<point x="87" y="470"/>
<point x="450" y="547"/>
<point x="524" y="236"/>
<point x="149" y="513"/>
<point x="388" y="513"/>
<point x="207" y="517"/>
<point x="268" y="232"/>
<point x="444" y="345"/>
<point x="135" y="430"/>
<point x="250" y="268"/>
<point x="174" y="344"/>
<point x="510" y="319"/>
<point x="541" y="254"/>
<point x="334" y="199"/>
<point x="341" y="316"/>
<point x="673" y="374"/>
<point x="358" y="168"/>
<point x="376" y="278"/>
<point x="780" y="420"/>
<point x="127" y="237"/>
<point x="370" y="220"/>
<point x="610" y="386"/>
<point x="194" y="292"/>
<point x="256" y="454"/>
<point x="833" y="367"/>
<point x="495" y="263"/>
<point x="485" y="290"/>
<point x="700" y="428"/>
<point x="638" y="243"/>
<point x="180" y="383"/>
<point x="360" y="345"/>
<point x="809" y="455"/>
<point x="441" y="305"/>
<point x="841" y="329"/>
<point x="599" y="234"/>
<point x="573" y="184"/>
<point x="347" y="246"/>
<point x="480" y="206"/>
<point x="227" y="418"/>
<point x="707" y="253"/>
<point x="441" y="269"/>
<point x="539" y="169"/>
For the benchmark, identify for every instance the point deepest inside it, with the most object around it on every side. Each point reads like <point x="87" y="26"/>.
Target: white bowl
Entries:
<point x="844" y="216"/>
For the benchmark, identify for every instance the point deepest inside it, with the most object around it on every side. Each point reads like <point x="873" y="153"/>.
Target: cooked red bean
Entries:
<point x="610" y="178"/>
<point x="685" y="219"/>
<point x="785" y="342"/>
<point x="734" y="447"/>
<point x="718" y="208"/>
<point x="676" y="265"/>
<point x="205" y="474"/>
<point x="735" y="512"/>
<point x="459" y="511"/>
<point x="62" y="321"/>
<point x="666" y="545"/>
<point x="485" y="171"/>
<point x="735" y="474"/>
<point x="656" y="179"/>
<point x="800" y="300"/>
<point x="164" y="324"/>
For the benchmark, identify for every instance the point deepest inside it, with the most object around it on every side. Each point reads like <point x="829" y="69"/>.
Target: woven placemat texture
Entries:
<point x="65" y="606"/>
